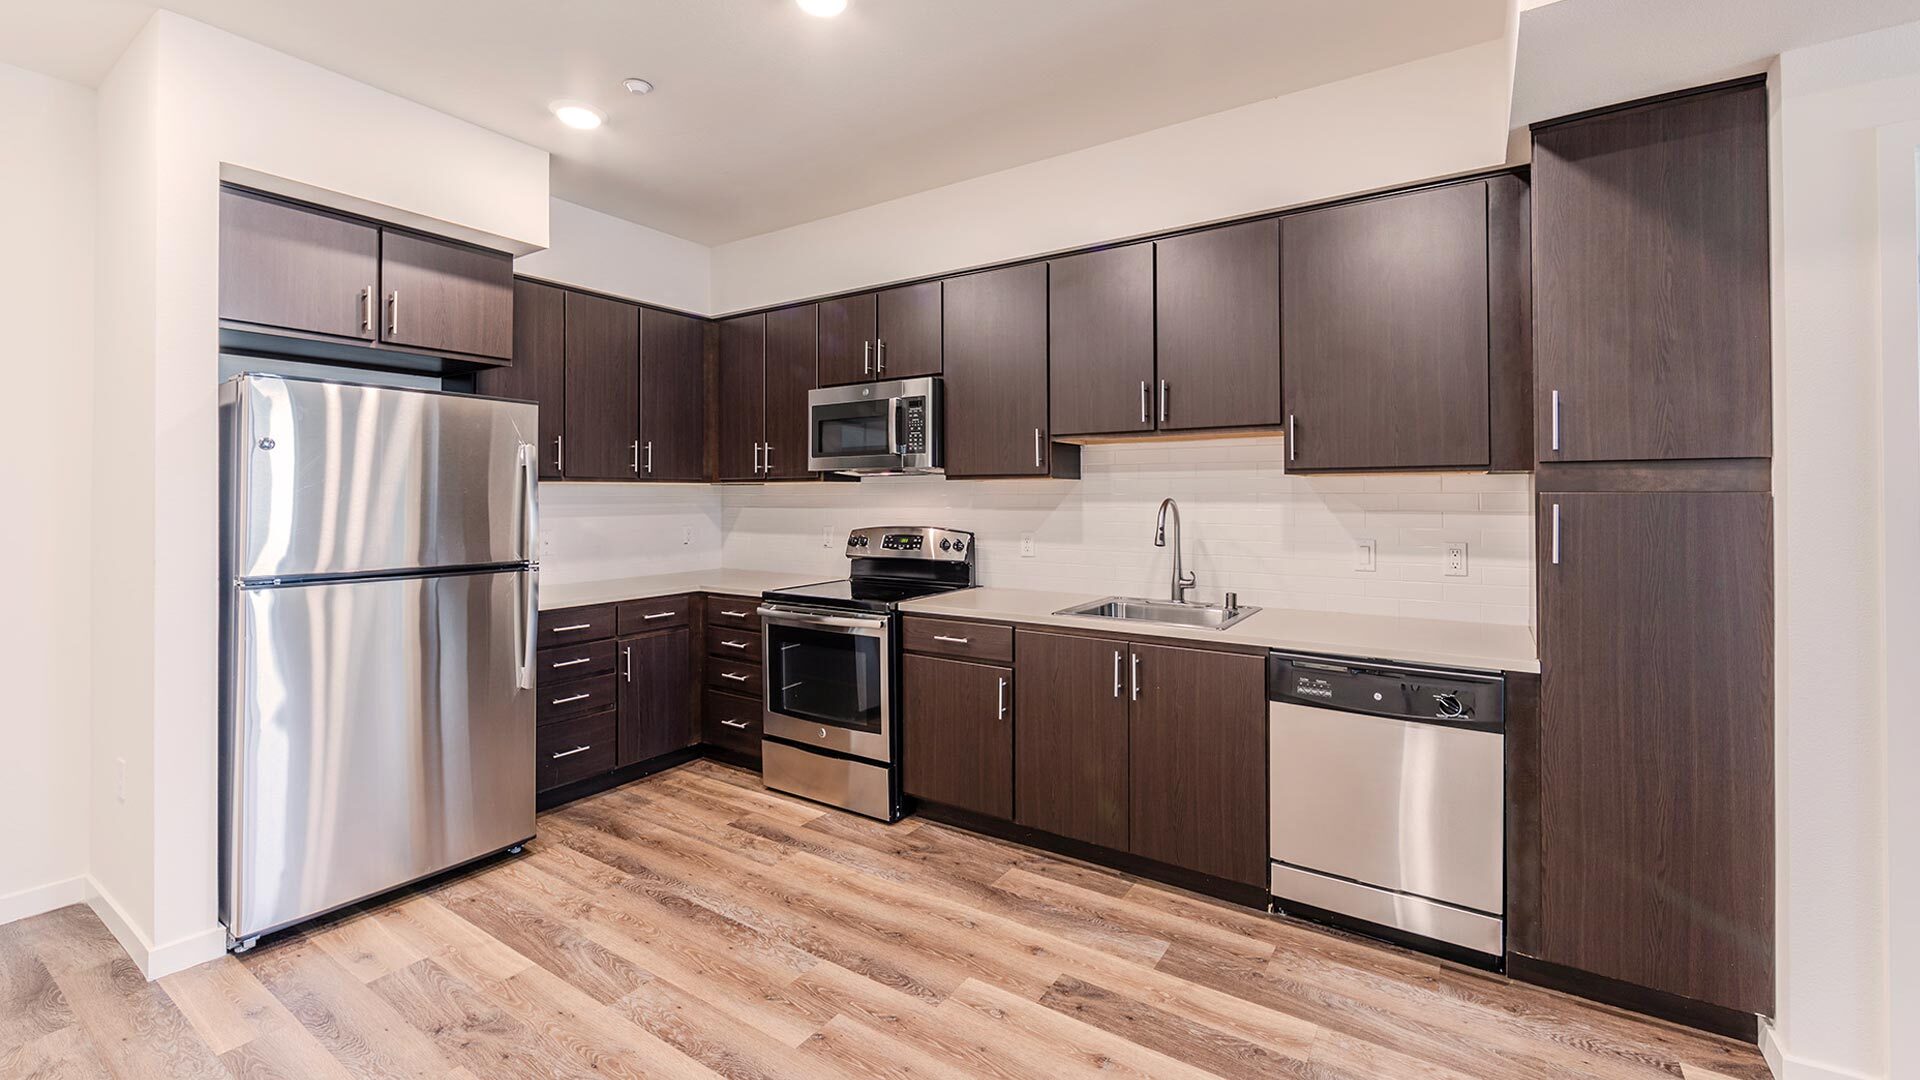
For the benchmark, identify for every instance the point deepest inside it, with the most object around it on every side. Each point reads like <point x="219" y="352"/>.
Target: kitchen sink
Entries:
<point x="1136" y="609"/>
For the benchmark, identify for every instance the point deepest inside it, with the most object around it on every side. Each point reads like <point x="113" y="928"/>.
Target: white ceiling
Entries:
<point x="767" y="117"/>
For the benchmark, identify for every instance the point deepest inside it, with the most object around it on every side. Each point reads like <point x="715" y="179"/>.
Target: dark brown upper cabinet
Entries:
<point x="791" y="337"/>
<point x="1100" y="341"/>
<point x="742" y="386"/>
<point x="1070" y="747"/>
<point x="294" y="268"/>
<point x="891" y="334"/>
<point x="957" y="732"/>
<point x="1217" y="306"/>
<point x="1651" y="280"/>
<point x="443" y="296"/>
<point x="673" y="395"/>
<point x="1656" y="741"/>
<point x="1384" y="328"/>
<point x="996" y="373"/>
<point x="846" y="336"/>
<point x="538" y="372"/>
<point x="603" y="388"/>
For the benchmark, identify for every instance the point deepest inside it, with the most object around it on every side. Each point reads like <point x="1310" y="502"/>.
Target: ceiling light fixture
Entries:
<point x="638" y="86"/>
<point x="825" y="9"/>
<point x="578" y="116"/>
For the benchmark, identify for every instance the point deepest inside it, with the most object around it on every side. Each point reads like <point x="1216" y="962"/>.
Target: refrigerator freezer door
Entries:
<point x="378" y="735"/>
<point x="332" y="478"/>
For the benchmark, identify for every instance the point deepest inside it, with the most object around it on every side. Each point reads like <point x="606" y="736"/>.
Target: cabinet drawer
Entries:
<point x="571" y="626"/>
<point x="664" y="613"/>
<point x="731" y="722"/>
<point x="966" y="640"/>
<point x="734" y="676"/>
<point x="575" y="749"/>
<point x="731" y="643"/>
<point x="738" y="612"/>
<point x="576" y="696"/>
<point x="575" y="661"/>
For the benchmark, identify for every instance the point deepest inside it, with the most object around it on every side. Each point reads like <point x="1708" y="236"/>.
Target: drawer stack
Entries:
<point x="578" y="711"/>
<point x="730" y="717"/>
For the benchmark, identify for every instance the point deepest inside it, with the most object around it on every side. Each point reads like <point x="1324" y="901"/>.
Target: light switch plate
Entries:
<point x="826" y="536"/>
<point x="1365" y="554"/>
<point x="1456" y="558"/>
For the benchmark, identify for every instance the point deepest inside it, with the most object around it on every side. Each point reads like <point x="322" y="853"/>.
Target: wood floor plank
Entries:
<point x="225" y="1003"/>
<point x="717" y="1038"/>
<point x="68" y="939"/>
<point x="31" y="1003"/>
<point x="1090" y="1050"/>
<point x="851" y="1048"/>
<point x="351" y="1022"/>
<point x="64" y="1054"/>
<point x="134" y="1026"/>
<point x="1177" y="1036"/>
<point x="365" y="946"/>
<point x="285" y="1053"/>
<point x="473" y="1030"/>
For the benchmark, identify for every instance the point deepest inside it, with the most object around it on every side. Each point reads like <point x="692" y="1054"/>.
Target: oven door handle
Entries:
<point x="804" y="618"/>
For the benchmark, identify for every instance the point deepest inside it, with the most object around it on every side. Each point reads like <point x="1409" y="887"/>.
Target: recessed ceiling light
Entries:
<point x="578" y="116"/>
<point x="824" y="8"/>
<point x="638" y="86"/>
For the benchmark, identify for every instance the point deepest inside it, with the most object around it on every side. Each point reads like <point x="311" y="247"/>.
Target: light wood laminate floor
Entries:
<point x="694" y="925"/>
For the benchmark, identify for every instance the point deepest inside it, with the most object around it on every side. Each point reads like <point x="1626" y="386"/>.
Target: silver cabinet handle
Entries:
<point x="366" y="309"/>
<point x="566" y="700"/>
<point x="735" y="614"/>
<point x="1556" y="534"/>
<point x="628" y="651"/>
<point x="1554" y="420"/>
<point x="767" y="457"/>
<point x="571" y="629"/>
<point x="1116" y="673"/>
<point x="741" y="724"/>
<point x="571" y="663"/>
<point x="1293" y="443"/>
<point x="879" y="356"/>
<point x="1144" y="418"/>
<point x="954" y="640"/>
<point x="636" y="457"/>
<point x="1136" y="676"/>
<point x="570" y="753"/>
<point x="756" y="459"/>
<point x="735" y="644"/>
<point x="658" y="615"/>
<point x="393" y="313"/>
<point x="735" y="678"/>
<point x="866" y="358"/>
<point x="649" y="457"/>
<point x="559" y="453"/>
<point x="1163" y="401"/>
<point x="1036" y="448"/>
<point x="1002" y="715"/>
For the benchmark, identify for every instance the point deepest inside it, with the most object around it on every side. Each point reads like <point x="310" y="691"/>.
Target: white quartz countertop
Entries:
<point x="1376" y="637"/>
<point x="738" y="582"/>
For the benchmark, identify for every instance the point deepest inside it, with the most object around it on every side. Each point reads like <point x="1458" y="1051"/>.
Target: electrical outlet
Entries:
<point x="1364" y="552"/>
<point x="1456" y="558"/>
<point x="686" y="536"/>
<point x="826" y="536"/>
<point x="1027" y="550"/>
<point x="546" y="545"/>
<point x="120" y="779"/>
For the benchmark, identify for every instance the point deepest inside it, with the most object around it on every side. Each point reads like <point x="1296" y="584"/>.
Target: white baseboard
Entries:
<point x="40" y="899"/>
<point x="156" y="961"/>
<point x="1787" y="1067"/>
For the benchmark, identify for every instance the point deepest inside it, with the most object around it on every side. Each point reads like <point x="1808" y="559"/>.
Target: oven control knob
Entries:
<point x="959" y="545"/>
<point x="823" y="733"/>
<point x="1449" y="705"/>
<point x="946" y="545"/>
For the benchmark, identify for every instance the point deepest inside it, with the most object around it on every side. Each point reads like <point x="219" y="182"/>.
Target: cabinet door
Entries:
<point x="603" y="388"/>
<point x="292" y="268"/>
<point x="1656" y="741"/>
<point x="996" y="372"/>
<point x="1070" y="747"/>
<point x="1383" y="318"/>
<point x="538" y="372"/>
<point x="846" y="339"/>
<point x="446" y="296"/>
<point x="743" y="396"/>
<point x="1197" y="754"/>
<point x="1100" y="341"/>
<point x="790" y="374"/>
<point x="656" y="688"/>
<point x="907" y="334"/>
<point x="1650" y="281"/>
<point x="957" y="725"/>
<point x="1218" y="307"/>
<point x="673" y="395"/>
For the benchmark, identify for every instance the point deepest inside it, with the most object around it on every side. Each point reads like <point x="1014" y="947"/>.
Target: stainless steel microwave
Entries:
<point x="876" y="429"/>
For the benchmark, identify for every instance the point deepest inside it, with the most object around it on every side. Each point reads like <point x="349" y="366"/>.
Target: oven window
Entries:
<point x="824" y="677"/>
<point x="844" y="436"/>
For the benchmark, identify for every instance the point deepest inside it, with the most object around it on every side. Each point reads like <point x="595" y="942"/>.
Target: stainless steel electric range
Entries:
<point x="831" y="731"/>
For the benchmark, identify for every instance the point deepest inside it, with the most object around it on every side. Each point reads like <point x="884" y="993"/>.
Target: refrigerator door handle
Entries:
<point x="529" y="577"/>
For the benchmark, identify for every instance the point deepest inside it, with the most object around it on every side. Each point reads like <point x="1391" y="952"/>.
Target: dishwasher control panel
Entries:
<point x="1403" y="692"/>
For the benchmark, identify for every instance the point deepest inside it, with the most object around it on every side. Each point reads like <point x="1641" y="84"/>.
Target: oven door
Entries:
<point x="829" y="680"/>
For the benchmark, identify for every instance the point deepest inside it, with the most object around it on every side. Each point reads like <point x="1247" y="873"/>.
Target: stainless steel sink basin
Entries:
<point x="1135" y="609"/>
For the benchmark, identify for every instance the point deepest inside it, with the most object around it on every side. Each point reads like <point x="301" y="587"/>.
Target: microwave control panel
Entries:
<point x="913" y="434"/>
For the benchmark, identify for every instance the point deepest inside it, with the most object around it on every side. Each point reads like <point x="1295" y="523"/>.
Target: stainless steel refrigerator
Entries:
<point x="379" y="560"/>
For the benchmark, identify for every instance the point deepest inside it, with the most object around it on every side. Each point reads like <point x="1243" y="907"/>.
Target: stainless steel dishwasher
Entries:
<point x="1387" y="800"/>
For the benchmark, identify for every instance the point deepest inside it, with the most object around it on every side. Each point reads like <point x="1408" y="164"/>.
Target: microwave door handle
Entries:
<point x="893" y="425"/>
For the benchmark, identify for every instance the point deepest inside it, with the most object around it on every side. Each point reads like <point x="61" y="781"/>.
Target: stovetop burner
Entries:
<point x="891" y="564"/>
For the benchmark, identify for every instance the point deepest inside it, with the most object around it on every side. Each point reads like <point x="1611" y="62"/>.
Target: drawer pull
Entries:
<point x="565" y="700"/>
<point x="735" y="678"/>
<point x="571" y="629"/>
<point x="569" y="753"/>
<point x="734" y="644"/>
<point x="953" y="640"/>
<point x="734" y="614"/>
<point x="658" y="615"/>
<point x="735" y="723"/>
<point x="570" y="663"/>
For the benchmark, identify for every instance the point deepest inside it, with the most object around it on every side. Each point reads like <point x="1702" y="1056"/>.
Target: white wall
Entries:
<point x="1442" y="115"/>
<point x="612" y="255"/>
<point x="46" y="301"/>
<point x="1277" y="540"/>
<point x="186" y="100"/>
<point x="593" y="532"/>
<point x="1834" y="773"/>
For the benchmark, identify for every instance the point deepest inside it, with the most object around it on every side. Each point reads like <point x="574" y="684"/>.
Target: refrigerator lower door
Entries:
<point x="377" y="732"/>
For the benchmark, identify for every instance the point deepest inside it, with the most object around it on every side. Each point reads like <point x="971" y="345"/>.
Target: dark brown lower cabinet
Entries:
<point x="956" y="722"/>
<point x="1655" y="821"/>
<point x="656" y="683"/>
<point x="1197" y="761"/>
<point x="1070" y="747"/>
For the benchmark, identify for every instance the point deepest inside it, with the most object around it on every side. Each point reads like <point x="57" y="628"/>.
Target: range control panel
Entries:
<point x="910" y="542"/>
<point x="1455" y="698"/>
